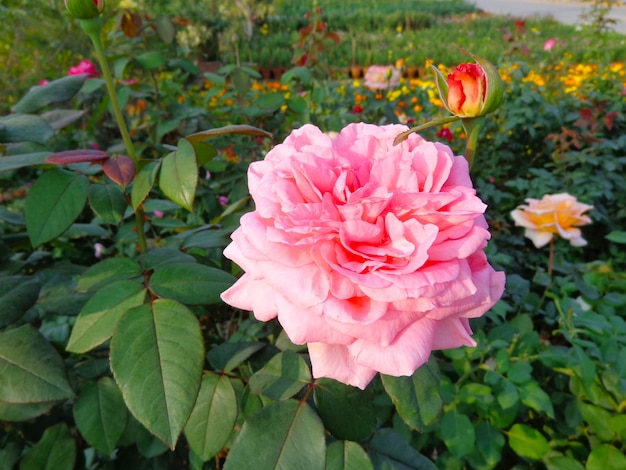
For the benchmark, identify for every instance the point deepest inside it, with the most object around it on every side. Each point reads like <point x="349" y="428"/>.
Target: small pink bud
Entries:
<point x="223" y="200"/>
<point x="549" y="44"/>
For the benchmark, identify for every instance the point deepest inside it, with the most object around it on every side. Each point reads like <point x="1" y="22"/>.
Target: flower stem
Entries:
<point x="93" y="28"/>
<point x="472" y="128"/>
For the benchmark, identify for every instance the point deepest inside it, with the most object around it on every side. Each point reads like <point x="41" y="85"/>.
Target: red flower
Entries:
<point x="357" y="109"/>
<point x="445" y="134"/>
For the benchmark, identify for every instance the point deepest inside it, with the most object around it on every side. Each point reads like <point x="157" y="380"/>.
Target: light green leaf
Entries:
<point x="561" y="462"/>
<point x="599" y="421"/>
<point x="178" y="177"/>
<point x="31" y="369"/>
<point x="416" y="398"/>
<point x="528" y="442"/>
<point x="108" y="202"/>
<point x="606" y="457"/>
<point x="532" y="395"/>
<point x="24" y="128"/>
<point x="150" y="60"/>
<point x="56" y="450"/>
<point x="157" y="354"/>
<point x="190" y="283"/>
<point x="296" y="439"/>
<point x="97" y="319"/>
<point x="617" y="236"/>
<point x="243" y="129"/>
<point x="282" y="377"/>
<point x="56" y="199"/>
<point x="213" y="417"/>
<point x="106" y="272"/>
<point x="55" y="91"/>
<point x="100" y="414"/>
<point x="347" y="455"/>
<point x="458" y="433"/>
<point x="144" y="180"/>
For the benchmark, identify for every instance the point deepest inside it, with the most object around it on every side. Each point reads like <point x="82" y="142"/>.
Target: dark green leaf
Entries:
<point x="458" y="433"/>
<point x="388" y="450"/>
<point x="189" y="283"/>
<point x="108" y="202"/>
<point x="24" y="128"/>
<point x="528" y="442"/>
<point x="534" y="397"/>
<point x="416" y="398"/>
<point x="55" y="91"/>
<point x="213" y="417"/>
<point x="157" y="354"/>
<point x="243" y="129"/>
<point x="97" y="319"/>
<point x="178" y="177"/>
<point x="56" y="450"/>
<point x="143" y="183"/>
<point x="106" y="272"/>
<point x="347" y="412"/>
<point x="56" y="199"/>
<point x="296" y="439"/>
<point x="22" y="411"/>
<point x="159" y="257"/>
<point x="489" y="442"/>
<point x="31" y="369"/>
<point x="100" y="414"/>
<point x="150" y="60"/>
<point x="617" y="237"/>
<point x="282" y="377"/>
<point x="227" y="356"/>
<point x="17" y="295"/>
<point x="60" y="118"/>
<point x="347" y="455"/>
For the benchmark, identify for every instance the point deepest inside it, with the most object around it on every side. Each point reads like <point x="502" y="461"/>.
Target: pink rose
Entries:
<point x="553" y="214"/>
<point x="382" y="77"/>
<point x="84" y="66"/>
<point x="549" y="44"/>
<point x="371" y="253"/>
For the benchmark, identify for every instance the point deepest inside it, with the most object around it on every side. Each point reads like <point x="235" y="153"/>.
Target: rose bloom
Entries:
<point x="558" y="214"/>
<point x="371" y="253"/>
<point x="84" y="66"/>
<point x="382" y="77"/>
<point x="467" y="88"/>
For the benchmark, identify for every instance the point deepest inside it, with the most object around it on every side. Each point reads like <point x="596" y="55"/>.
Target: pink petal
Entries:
<point x="335" y="362"/>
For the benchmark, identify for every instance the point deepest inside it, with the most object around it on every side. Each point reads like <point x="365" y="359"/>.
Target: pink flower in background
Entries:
<point x="223" y="200"/>
<point x="98" y="250"/>
<point x="43" y="82"/>
<point x="371" y="253"/>
<point x="549" y="44"/>
<point x="84" y="66"/>
<point x="553" y="214"/>
<point x="158" y="214"/>
<point x="382" y="77"/>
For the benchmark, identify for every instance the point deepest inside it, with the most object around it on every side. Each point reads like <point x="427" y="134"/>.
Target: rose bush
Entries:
<point x="371" y="253"/>
<point x="558" y="214"/>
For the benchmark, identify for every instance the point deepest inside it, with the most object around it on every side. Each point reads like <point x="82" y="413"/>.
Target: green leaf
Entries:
<point x="56" y="199"/>
<point x="599" y="421"/>
<point x="144" y="181"/>
<point x="106" y="272"/>
<point x="150" y="60"/>
<point x="282" y="377"/>
<point x="527" y="442"/>
<point x="97" y="319"/>
<point x="159" y="257"/>
<point x="347" y="412"/>
<point x="416" y="398"/>
<point x="489" y="443"/>
<point x="284" y="435"/>
<point x="388" y="450"/>
<point x="108" y="202"/>
<point x="17" y="295"/>
<point x="56" y="450"/>
<point x="157" y="354"/>
<point x="606" y="457"/>
<point x="227" y="356"/>
<point x="617" y="236"/>
<point x="178" y="177"/>
<point x="55" y="91"/>
<point x="562" y="462"/>
<point x="347" y="455"/>
<point x="31" y="369"/>
<point x="242" y="129"/>
<point x="24" y="128"/>
<point x="20" y="161"/>
<point x="100" y="414"/>
<point x="60" y="118"/>
<point x="458" y="433"/>
<point x="23" y="411"/>
<point x="190" y="283"/>
<point x="213" y="417"/>
<point x="532" y="395"/>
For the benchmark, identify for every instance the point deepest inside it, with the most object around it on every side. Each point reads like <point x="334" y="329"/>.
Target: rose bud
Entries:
<point x="84" y="9"/>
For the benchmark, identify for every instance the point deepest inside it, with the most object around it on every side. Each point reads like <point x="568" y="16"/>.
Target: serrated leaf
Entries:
<point x="144" y="181"/>
<point x="457" y="433"/>
<point x="121" y="170"/>
<point x="227" y="356"/>
<point x="347" y="412"/>
<point x="20" y="161"/>
<point x="347" y="455"/>
<point x="24" y="128"/>
<point x="242" y="129"/>
<point x="53" y="203"/>
<point x="97" y="319"/>
<point x="606" y="457"/>
<point x="108" y="202"/>
<point x="56" y="450"/>
<point x="157" y="354"/>
<point x="178" y="177"/>
<point x="416" y="398"/>
<point x="17" y="295"/>
<point x="62" y="89"/>
<point x="106" y="272"/>
<point x="282" y="377"/>
<point x="528" y="442"/>
<point x="31" y="369"/>
<point x="296" y="439"/>
<point x="213" y="417"/>
<point x="100" y="414"/>
<point x="387" y="450"/>
<point x="194" y="284"/>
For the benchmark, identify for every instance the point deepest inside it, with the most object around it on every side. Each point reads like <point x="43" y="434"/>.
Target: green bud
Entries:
<point x="84" y="9"/>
